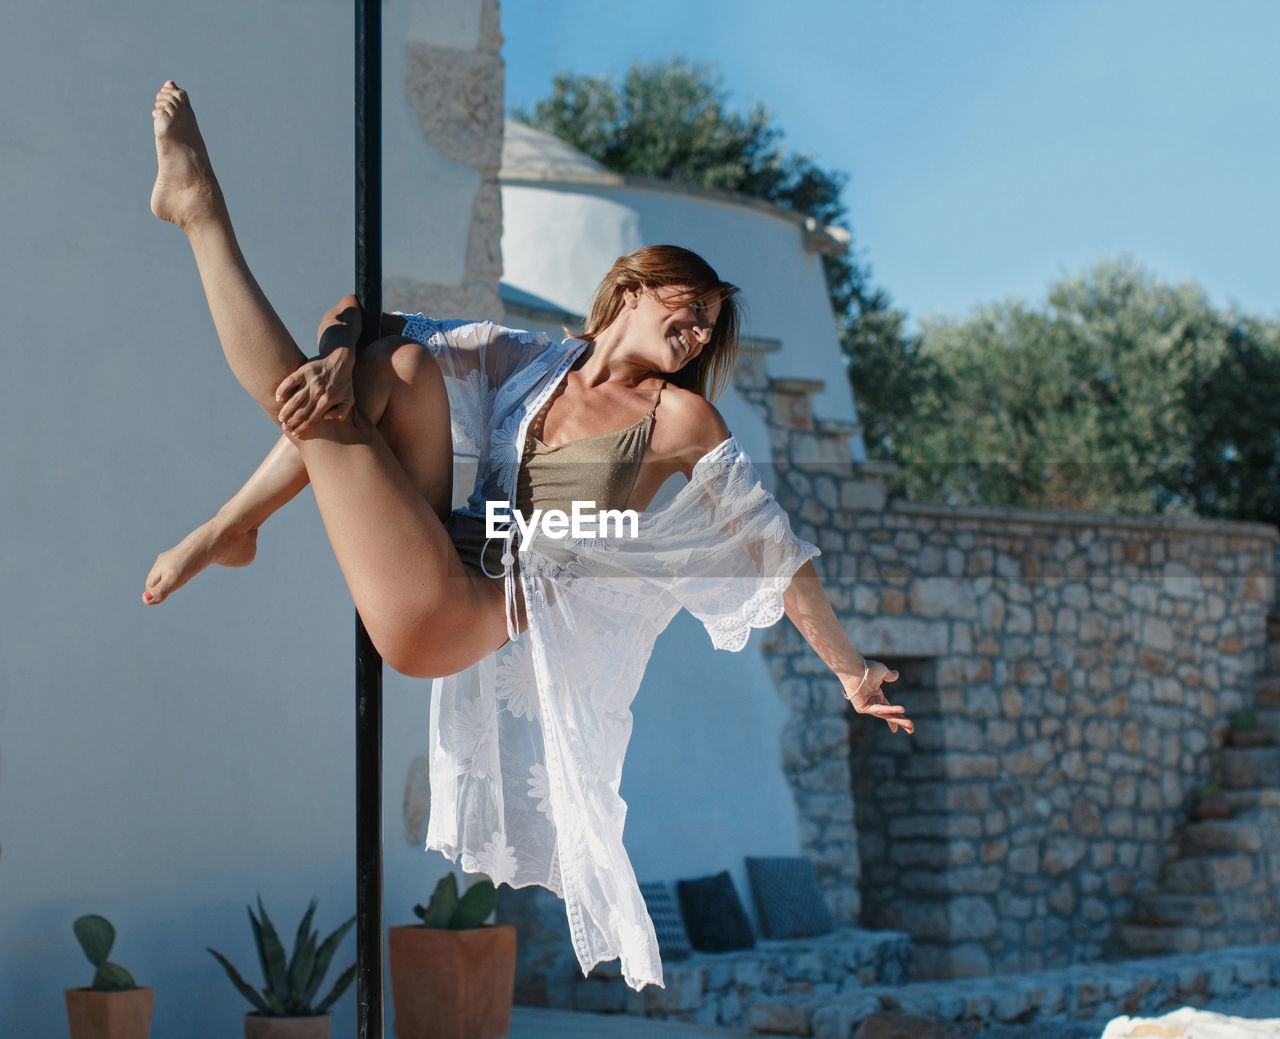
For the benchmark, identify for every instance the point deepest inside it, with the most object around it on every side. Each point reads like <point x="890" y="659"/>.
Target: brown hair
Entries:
<point x="660" y="266"/>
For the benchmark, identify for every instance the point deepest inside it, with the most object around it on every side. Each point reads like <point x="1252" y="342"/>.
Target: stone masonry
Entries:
<point x="457" y="96"/>
<point x="1070" y="676"/>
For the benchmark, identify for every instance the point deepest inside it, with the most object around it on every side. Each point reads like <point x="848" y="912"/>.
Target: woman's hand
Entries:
<point x="320" y="390"/>
<point x="868" y="698"/>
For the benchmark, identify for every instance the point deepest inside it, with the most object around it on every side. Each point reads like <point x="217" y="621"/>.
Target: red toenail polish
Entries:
<point x="147" y="596"/>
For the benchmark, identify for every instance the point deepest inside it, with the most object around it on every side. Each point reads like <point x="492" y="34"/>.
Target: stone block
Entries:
<point x="1250" y="766"/>
<point x="838" y="1020"/>
<point x="457" y="97"/>
<point x="417" y="801"/>
<point x="897" y="1025"/>
<point x="1208" y="875"/>
<point x="1029" y="760"/>
<point x="779" y="1017"/>
<point x="972" y="917"/>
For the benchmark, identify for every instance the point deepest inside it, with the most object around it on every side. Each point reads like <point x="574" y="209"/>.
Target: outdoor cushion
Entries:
<point x="713" y="915"/>
<point x="673" y="942"/>
<point x="789" y="903"/>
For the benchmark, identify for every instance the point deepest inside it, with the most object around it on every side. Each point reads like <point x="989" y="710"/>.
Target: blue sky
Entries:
<point x="992" y="145"/>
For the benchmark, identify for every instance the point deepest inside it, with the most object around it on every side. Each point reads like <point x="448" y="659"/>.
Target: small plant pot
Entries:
<point x="110" y="1015"/>
<point x="1249" y="737"/>
<point x="1212" y="808"/>
<point x="452" y="984"/>
<point x="256" y="1026"/>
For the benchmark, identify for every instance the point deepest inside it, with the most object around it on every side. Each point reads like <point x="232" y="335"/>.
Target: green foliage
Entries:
<point x="672" y="120"/>
<point x="1119" y="394"/>
<point x="96" y="936"/>
<point x="1234" y="465"/>
<point x="291" y="982"/>
<point x="1246" y="721"/>
<point x="447" y="912"/>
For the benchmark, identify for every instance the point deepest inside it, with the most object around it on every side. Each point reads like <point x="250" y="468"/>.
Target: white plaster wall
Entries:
<point x="164" y="766"/>
<point x="703" y="778"/>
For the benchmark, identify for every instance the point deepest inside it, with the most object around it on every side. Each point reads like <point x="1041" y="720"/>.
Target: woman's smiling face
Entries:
<point x="683" y="326"/>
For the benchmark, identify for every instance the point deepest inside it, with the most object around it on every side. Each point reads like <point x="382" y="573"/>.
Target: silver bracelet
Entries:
<point x="866" y="670"/>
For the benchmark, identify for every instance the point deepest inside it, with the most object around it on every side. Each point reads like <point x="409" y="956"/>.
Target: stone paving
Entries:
<point x="1045" y="1002"/>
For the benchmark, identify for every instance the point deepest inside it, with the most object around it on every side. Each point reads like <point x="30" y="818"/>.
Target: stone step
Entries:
<point x="1208" y="873"/>
<point x="1240" y="833"/>
<point x="1043" y="1002"/>
<point x="1164" y="909"/>
<point x="1269" y="719"/>
<point x="1269" y="690"/>
<point x="1249" y="766"/>
<point x="1162" y="939"/>
<point x="1247" y="798"/>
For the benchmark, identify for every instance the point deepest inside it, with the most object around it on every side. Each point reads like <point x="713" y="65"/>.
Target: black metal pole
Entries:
<point x="368" y="119"/>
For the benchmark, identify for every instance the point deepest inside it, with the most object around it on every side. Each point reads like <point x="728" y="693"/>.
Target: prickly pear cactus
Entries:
<point x="96" y="936"/>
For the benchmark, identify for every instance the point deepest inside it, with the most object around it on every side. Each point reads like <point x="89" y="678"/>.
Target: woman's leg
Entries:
<point x="230" y="538"/>
<point x="426" y="612"/>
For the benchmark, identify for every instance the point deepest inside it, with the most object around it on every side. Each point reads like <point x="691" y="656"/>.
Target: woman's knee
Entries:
<point x="396" y="366"/>
<point x="441" y="645"/>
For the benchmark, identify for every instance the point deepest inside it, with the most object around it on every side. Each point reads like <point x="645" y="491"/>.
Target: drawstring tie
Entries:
<point x="508" y="575"/>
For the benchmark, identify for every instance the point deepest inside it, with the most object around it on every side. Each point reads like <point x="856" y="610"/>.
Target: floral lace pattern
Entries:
<point x="527" y="745"/>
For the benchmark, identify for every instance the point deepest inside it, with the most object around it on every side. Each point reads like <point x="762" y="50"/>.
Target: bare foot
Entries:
<point x="210" y="543"/>
<point x="186" y="190"/>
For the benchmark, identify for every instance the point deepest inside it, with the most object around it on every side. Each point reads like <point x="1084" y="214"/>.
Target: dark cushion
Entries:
<point x="673" y="942"/>
<point x="713" y="915"/>
<point x="789" y="903"/>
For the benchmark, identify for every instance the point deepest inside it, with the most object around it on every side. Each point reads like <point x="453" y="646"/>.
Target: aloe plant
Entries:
<point x="292" y="983"/>
<point x="96" y="936"/>
<point x="448" y="912"/>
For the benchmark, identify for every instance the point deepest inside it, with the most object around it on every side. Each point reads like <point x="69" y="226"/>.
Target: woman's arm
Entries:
<point x="321" y="388"/>
<point x="810" y="610"/>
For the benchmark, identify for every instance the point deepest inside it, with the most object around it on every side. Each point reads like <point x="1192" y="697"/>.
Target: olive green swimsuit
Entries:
<point x="601" y="469"/>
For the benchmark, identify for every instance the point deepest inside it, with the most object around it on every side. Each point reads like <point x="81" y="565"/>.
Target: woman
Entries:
<point x="528" y="733"/>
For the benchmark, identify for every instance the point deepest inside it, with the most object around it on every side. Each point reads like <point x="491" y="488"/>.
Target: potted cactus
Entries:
<point x="1247" y="731"/>
<point x="452" y="976"/>
<point x="114" y="1006"/>
<point x="1210" y="804"/>
<point x="284" y="1009"/>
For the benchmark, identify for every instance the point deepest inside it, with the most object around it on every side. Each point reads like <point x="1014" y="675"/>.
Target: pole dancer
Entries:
<point x="538" y="645"/>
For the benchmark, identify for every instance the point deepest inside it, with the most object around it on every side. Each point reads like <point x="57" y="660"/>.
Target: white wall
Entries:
<point x="163" y="766"/>
<point x="703" y="778"/>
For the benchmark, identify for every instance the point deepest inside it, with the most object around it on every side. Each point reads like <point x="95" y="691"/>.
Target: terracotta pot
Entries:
<point x="256" y="1026"/>
<point x="1213" y="808"/>
<point x="452" y="984"/>
<point x="1249" y="737"/>
<point x="110" y="1015"/>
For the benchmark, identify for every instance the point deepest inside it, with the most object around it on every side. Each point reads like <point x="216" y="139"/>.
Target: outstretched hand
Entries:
<point x="319" y="390"/>
<point x="869" y="698"/>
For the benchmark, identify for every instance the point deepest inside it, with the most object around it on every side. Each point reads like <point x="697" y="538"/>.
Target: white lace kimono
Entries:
<point x="527" y="745"/>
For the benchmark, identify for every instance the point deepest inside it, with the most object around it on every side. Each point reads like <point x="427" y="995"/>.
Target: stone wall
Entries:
<point x="457" y="96"/>
<point x="1069" y="675"/>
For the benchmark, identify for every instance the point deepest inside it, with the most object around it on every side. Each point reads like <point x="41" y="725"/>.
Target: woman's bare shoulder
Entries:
<point x="689" y="426"/>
